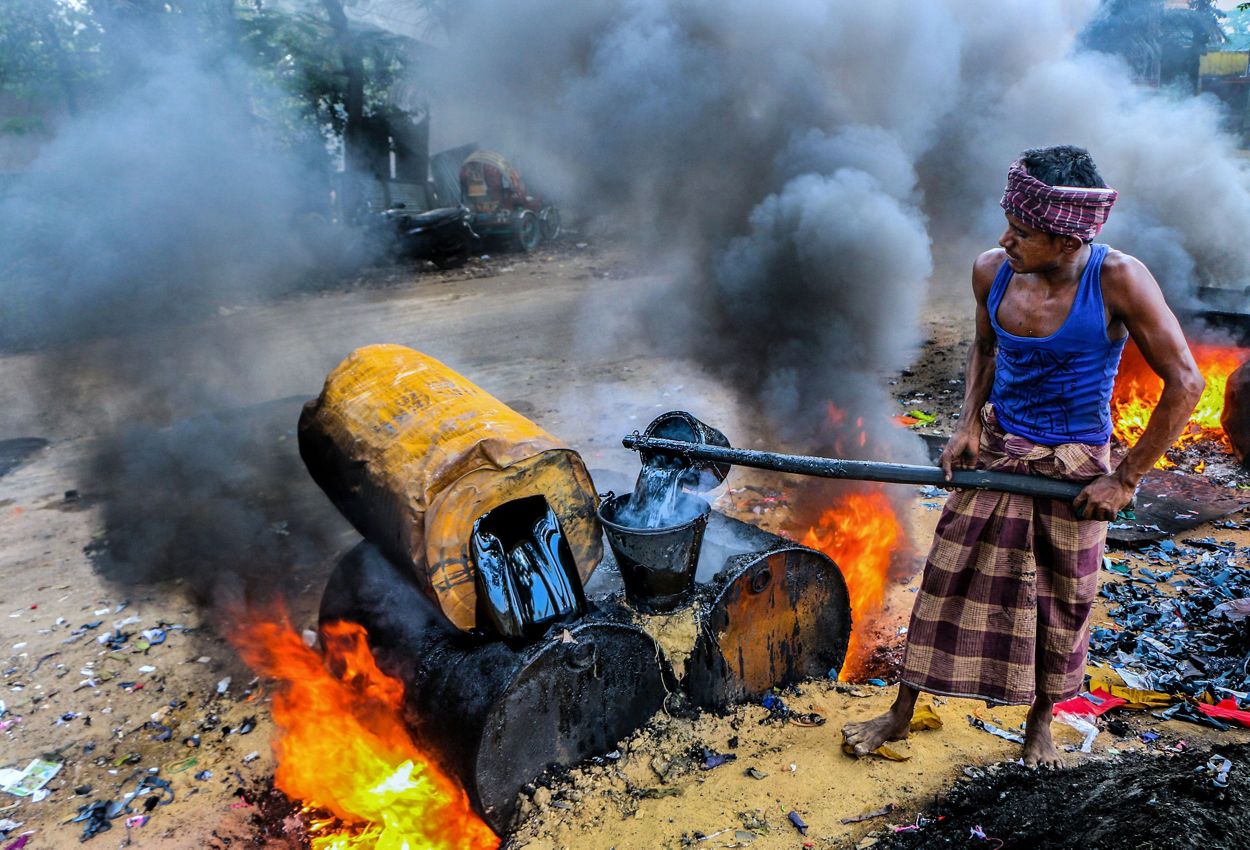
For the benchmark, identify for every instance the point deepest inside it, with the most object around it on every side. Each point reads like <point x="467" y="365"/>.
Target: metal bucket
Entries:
<point x="657" y="564"/>
<point x="680" y="425"/>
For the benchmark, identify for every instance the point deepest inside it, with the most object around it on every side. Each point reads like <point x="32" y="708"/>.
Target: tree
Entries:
<point x="1161" y="44"/>
<point x="47" y="40"/>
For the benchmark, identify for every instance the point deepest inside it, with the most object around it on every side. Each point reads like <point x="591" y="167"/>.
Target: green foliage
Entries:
<point x="56" y="53"/>
<point x="45" y="43"/>
<point x="297" y="53"/>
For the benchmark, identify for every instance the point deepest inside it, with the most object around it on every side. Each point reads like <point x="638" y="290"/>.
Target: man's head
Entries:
<point x="1055" y="202"/>
<point x="1062" y="165"/>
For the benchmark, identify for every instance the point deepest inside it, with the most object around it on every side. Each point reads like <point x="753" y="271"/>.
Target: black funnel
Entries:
<point x="657" y="564"/>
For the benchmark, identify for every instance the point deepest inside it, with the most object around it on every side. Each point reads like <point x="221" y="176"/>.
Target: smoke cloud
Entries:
<point x="803" y="175"/>
<point x="165" y="202"/>
<point x="807" y="173"/>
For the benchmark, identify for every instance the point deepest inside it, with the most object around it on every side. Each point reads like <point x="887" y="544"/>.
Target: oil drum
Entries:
<point x="413" y="454"/>
<point x="766" y="613"/>
<point x="497" y="714"/>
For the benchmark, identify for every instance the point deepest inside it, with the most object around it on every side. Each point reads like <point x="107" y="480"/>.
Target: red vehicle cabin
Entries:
<point x="502" y="208"/>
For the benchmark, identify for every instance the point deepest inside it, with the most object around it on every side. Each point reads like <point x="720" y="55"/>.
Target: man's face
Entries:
<point x="1029" y="249"/>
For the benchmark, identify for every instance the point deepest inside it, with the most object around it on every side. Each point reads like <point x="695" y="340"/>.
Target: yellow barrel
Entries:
<point x="412" y="454"/>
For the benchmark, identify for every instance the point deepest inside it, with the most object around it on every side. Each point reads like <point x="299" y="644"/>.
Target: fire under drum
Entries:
<point x="496" y="714"/>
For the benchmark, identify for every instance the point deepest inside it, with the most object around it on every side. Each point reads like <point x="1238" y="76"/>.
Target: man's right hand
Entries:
<point x="961" y="451"/>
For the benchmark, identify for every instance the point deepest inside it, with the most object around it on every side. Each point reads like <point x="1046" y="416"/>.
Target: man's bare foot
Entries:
<point x="1039" y="746"/>
<point x="864" y="737"/>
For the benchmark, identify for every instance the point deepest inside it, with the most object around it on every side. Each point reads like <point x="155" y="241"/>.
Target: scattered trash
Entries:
<point x="885" y="751"/>
<point x="1093" y="703"/>
<point x="223" y="686"/>
<point x="1186" y="711"/>
<point x="778" y="711"/>
<point x="96" y="817"/>
<point x="1217" y="768"/>
<point x="925" y="717"/>
<point x="204" y="775"/>
<point x="994" y="730"/>
<point x="24" y="783"/>
<point x="1178" y="620"/>
<point x="977" y="832"/>
<point x="798" y="822"/>
<point x="251" y="757"/>
<point x="1226" y="709"/>
<point x="1083" y="724"/>
<point x="755" y="773"/>
<point x="182" y="765"/>
<point x="713" y="759"/>
<point x="875" y="813"/>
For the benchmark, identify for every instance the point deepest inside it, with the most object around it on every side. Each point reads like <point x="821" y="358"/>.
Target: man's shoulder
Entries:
<point x="1125" y="281"/>
<point x="992" y="259"/>
<point x="1121" y="269"/>
<point x="987" y="265"/>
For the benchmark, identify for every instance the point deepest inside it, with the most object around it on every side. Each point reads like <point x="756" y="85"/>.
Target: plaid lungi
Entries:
<point x="1002" y="613"/>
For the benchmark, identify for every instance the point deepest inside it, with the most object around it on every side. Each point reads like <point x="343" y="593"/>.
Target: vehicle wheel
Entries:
<point x="528" y="232"/>
<point x="550" y="219"/>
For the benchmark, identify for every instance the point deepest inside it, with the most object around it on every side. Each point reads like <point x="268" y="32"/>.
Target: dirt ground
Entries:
<point x="539" y="332"/>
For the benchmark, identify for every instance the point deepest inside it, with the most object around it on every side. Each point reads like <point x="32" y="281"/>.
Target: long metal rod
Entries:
<point x="861" y="470"/>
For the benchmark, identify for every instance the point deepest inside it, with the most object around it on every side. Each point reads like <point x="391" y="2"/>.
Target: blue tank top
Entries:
<point x="1057" y="389"/>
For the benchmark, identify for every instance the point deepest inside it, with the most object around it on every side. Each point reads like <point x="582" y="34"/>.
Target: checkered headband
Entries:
<point x="1065" y="210"/>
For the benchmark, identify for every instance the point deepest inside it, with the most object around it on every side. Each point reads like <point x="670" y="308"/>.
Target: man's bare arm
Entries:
<point x="962" y="448"/>
<point x="1133" y="296"/>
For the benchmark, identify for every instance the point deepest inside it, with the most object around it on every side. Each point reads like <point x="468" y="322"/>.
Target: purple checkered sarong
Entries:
<point x="1066" y="210"/>
<point x="1002" y="613"/>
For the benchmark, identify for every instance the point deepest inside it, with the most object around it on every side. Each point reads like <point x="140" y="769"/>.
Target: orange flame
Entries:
<point x="342" y="745"/>
<point x="1137" y="391"/>
<point x="861" y="534"/>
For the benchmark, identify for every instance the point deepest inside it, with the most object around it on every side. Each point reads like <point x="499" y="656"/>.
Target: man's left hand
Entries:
<point x="1103" y="498"/>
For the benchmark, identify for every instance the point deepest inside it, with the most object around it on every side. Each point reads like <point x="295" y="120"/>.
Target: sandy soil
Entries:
<point x="512" y="325"/>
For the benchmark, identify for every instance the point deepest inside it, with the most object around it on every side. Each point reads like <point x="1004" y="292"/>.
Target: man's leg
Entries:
<point x="893" y="725"/>
<point x="1039" y="746"/>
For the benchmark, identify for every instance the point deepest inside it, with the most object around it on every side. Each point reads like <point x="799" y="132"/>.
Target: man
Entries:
<point x="1004" y="603"/>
